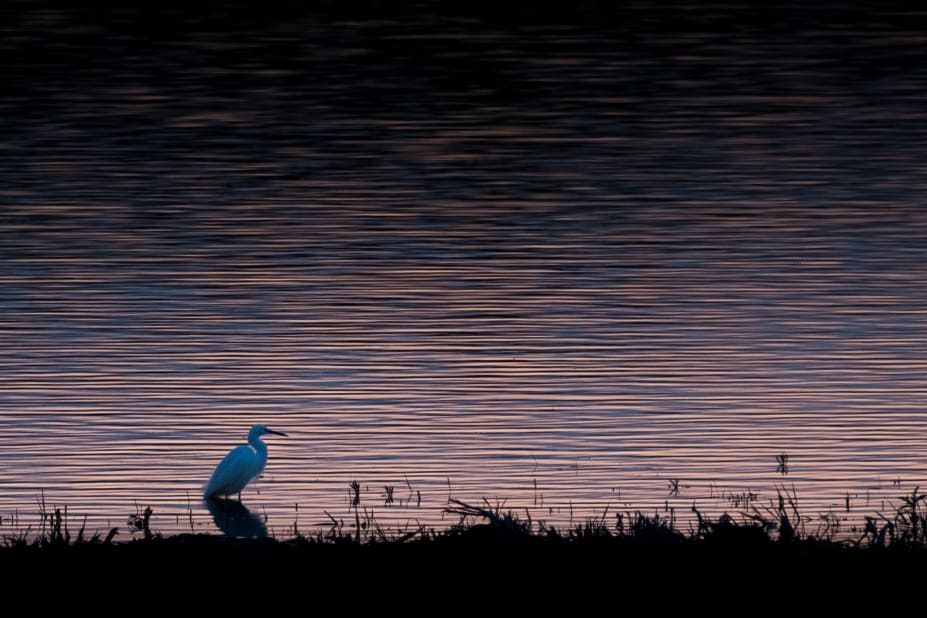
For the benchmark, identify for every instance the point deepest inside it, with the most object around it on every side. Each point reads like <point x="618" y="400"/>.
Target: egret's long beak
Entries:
<point x="279" y="433"/>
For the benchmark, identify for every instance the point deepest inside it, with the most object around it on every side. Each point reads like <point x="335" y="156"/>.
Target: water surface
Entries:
<point x="555" y="264"/>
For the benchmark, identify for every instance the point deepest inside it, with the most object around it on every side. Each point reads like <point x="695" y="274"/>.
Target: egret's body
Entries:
<point x="242" y="465"/>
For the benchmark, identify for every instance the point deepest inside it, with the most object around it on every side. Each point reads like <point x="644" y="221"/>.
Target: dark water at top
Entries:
<point x="555" y="260"/>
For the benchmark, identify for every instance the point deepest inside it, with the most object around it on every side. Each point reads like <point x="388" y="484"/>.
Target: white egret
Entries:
<point x="242" y="465"/>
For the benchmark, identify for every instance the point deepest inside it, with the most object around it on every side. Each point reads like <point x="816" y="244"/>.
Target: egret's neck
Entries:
<point x="257" y="444"/>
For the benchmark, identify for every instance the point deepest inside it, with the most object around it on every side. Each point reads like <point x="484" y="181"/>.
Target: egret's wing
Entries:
<point x="233" y="472"/>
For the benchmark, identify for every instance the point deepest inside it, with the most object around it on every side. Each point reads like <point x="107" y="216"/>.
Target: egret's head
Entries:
<point x="260" y="430"/>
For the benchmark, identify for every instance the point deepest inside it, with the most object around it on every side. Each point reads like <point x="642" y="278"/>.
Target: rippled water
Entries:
<point x="559" y="264"/>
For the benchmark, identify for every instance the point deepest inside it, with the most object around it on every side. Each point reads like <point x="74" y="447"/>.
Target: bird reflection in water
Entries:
<point x="235" y="520"/>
